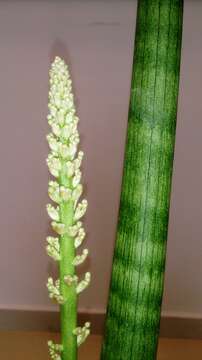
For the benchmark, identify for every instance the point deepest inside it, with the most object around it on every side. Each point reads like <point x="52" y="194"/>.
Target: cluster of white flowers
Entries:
<point x="64" y="162"/>
<point x="82" y="285"/>
<point x="63" y="142"/>
<point x="54" y="290"/>
<point x="53" y="248"/>
<point x="73" y="280"/>
<point x="54" y="350"/>
<point x="82" y="333"/>
<point x="79" y="259"/>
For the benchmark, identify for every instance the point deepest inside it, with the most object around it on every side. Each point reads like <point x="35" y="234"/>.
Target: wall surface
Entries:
<point x="96" y="39"/>
<point x="183" y="286"/>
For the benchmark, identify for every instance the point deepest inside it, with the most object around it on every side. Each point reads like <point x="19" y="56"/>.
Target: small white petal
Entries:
<point x="72" y="150"/>
<point x="54" y="165"/>
<point x="74" y="138"/>
<point x="66" y="131"/>
<point x="61" y="117"/>
<point x="82" y="333"/>
<point x="54" y="290"/>
<point x="79" y="259"/>
<point x="83" y="283"/>
<point x="78" y="160"/>
<point x="81" y="209"/>
<point x="53" y="248"/>
<point x="53" y="212"/>
<point x="79" y="238"/>
<point x="73" y="230"/>
<point x="69" y="167"/>
<point x="76" y="193"/>
<point x="69" y="117"/>
<point x="53" y="191"/>
<point x="59" y="227"/>
<point x="64" y="151"/>
<point x="53" y="110"/>
<point x="56" y="129"/>
<point x="52" y="142"/>
<point x="77" y="178"/>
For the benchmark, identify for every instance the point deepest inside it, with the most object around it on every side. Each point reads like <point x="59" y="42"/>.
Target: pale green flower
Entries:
<point x="82" y="333"/>
<point x="81" y="210"/>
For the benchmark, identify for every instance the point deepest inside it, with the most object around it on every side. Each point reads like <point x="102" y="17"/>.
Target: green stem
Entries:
<point x="68" y="310"/>
<point x="134" y="306"/>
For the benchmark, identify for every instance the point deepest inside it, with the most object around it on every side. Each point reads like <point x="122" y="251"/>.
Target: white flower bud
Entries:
<point x="83" y="283"/>
<point x="58" y="102"/>
<point x="54" y="191"/>
<point x="69" y="168"/>
<point x="53" y="212"/>
<point x="78" y="160"/>
<point x="79" y="259"/>
<point x="54" y="165"/>
<point x="52" y="142"/>
<point x="69" y="117"/>
<point x="59" y="228"/>
<point x="81" y="210"/>
<point x="61" y="117"/>
<point x="82" y="333"/>
<point x="74" y="229"/>
<point x="76" y="193"/>
<point x="77" y="178"/>
<point x="53" y="248"/>
<point x="50" y="119"/>
<point x="53" y="110"/>
<point x="54" y="350"/>
<point x="54" y="290"/>
<point x="72" y="151"/>
<point x="56" y="129"/>
<point x="74" y="138"/>
<point x="66" y="131"/>
<point x="79" y="239"/>
<point x="64" y="151"/>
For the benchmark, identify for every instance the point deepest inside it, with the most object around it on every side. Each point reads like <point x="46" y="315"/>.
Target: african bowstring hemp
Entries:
<point x="64" y="163"/>
<point x="135" y="296"/>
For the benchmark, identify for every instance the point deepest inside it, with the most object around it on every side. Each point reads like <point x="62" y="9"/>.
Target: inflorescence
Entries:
<point x="64" y="160"/>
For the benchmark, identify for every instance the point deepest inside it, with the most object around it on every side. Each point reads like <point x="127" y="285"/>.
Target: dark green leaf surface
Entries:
<point x="133" y="314"/>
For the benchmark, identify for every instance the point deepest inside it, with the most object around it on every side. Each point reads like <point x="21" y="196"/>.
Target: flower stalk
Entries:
<point x="64" y="163"/>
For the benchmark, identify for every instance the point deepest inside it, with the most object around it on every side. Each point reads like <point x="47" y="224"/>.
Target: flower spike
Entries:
<point x="64" y="163"/>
